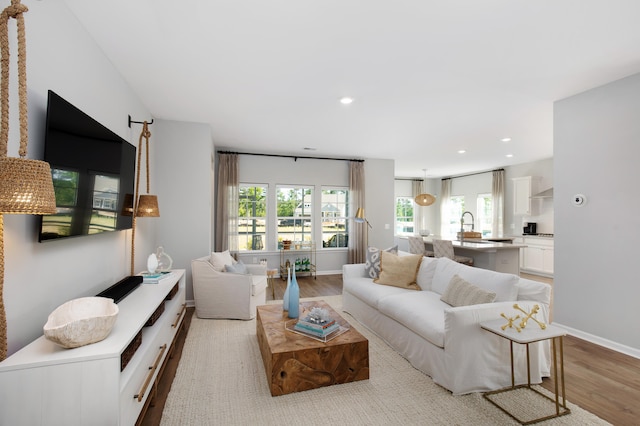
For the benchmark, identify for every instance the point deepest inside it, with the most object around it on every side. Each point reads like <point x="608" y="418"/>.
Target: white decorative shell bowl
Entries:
<point x="82" y="321"/>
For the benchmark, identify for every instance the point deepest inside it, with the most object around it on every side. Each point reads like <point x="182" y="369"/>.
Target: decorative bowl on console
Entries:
<point x="82" y="321"/>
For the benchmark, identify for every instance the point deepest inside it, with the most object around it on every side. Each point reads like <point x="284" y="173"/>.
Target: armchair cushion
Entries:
<point x="219" y="260"/>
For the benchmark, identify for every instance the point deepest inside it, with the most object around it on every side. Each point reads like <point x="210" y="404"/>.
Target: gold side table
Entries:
<point x="271" y="273"/>
<point x="531" y="334"/>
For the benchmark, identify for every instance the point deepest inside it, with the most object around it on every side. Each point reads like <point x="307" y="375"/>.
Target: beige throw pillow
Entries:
<point x="399" y="271"/>
<point x="462" y="293"/>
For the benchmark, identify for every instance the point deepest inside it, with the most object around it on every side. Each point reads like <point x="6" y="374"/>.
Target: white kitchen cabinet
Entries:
<point x="523" y="189"/>
<point x="44" y="384"/>
<point x="537" y="257"/>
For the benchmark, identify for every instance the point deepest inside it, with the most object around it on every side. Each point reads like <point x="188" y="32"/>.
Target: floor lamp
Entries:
<point x="26" y="186"/>
<point x="360" y="218"/>
<point x="143" y="205"/>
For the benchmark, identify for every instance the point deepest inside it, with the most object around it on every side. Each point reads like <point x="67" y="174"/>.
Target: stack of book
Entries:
<point x="314" y="328"/>
<point x="148" y="278"/>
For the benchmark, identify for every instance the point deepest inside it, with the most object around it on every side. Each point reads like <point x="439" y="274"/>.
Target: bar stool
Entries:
<point x="444" y="248"/>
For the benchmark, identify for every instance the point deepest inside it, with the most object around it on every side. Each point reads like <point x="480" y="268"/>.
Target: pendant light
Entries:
<point x="26" y="186"/>
<point x="424" y="199"/>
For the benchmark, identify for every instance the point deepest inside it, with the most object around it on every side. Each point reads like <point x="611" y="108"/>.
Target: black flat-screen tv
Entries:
<point x="93" y="170"/>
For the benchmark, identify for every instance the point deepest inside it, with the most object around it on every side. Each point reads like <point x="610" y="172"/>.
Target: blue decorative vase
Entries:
<point x="285" y="298"/>
<point x="294" y="298"/>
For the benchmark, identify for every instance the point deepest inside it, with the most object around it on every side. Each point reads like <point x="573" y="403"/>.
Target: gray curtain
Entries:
<point x="226" y="229"/>
<point x="357" y="231"/>
<point x="445" y="193"/>
<point x="497" y="195"/>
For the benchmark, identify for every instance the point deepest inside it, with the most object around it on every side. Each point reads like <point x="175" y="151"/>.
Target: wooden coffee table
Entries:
<point x="295" y="363"/>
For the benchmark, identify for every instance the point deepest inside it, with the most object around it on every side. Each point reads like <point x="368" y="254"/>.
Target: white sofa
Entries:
<point x="447" y="342"/>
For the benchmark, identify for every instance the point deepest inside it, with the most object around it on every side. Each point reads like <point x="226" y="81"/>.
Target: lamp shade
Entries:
<point x="360" y="217"/>
<point x="26" y="187"/>
<point x="148" y="206"/>
<point x="425" y="199"/>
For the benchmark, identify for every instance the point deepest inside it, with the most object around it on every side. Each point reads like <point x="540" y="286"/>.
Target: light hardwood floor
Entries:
<point x="602" y="381"/>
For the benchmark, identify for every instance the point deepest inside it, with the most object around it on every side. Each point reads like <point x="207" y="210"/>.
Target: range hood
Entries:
<point x="544" y="194"/>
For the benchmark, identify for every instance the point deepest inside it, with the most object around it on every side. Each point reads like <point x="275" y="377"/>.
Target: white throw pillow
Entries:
<point x="219" y="260"/>
<point x="503" y="285"/>
<point x="426" y="272"/>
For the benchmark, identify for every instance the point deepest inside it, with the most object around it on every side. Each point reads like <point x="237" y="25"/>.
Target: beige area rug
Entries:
<point x="221" y="381"/>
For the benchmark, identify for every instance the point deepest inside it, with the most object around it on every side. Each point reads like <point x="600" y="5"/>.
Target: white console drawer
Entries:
<point x="42" y="384"/>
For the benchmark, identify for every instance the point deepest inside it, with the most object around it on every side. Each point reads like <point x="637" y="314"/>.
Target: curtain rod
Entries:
<point x="473" y="174"/>
<point x="295" y="157"/>
<point x="450" y="177"/>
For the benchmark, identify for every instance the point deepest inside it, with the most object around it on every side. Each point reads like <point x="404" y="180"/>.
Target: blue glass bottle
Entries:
<point x="294" y="298"/>
<point x="285" y="298"/>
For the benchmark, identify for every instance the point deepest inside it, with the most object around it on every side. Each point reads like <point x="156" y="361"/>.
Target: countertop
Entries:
<point x="479" y="244"/>
<point x="544" y="237"/>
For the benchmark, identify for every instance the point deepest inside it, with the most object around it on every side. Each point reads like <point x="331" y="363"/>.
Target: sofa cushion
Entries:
<point x="503" y="285"/>
<point x="420" y="311"/>
<point x="462" y="293"/>
<point x="399" y="271"/>
<point x="219" y="260"/>
<point x="426" y="272"/>
<point x="372" y="264"/>
<point x="364" y="289"/>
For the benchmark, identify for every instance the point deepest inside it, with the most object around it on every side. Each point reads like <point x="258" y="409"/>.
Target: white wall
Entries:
<point x="380" y="201"/>
<point x="183" y="153"/>
<point x="41" y="276"/>
<point x="596" y="153"/>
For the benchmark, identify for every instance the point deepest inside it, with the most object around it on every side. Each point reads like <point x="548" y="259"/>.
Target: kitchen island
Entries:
<point x="500" y="257"/>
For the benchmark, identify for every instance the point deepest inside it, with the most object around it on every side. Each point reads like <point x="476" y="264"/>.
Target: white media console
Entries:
<point x="44" y="384"/>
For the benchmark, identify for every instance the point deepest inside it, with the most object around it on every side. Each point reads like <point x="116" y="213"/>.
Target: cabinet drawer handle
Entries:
<point x="179" y="314"/>
<point x="152" y="370"/>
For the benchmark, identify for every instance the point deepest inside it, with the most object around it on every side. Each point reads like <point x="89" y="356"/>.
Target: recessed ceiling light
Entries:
<point x="346" y="100"/>
<point x="509" y="155"/>
<point x="506" y="139"/>
<point x="461" y="151"/>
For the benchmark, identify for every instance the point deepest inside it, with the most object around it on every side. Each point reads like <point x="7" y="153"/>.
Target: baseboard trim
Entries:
<point x="618" y="347"/>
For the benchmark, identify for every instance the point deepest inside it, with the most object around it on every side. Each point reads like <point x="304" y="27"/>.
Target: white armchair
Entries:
<point x="227" y="294"/>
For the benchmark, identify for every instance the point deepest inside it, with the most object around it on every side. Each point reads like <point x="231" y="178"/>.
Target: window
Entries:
<point x="105" y="203"/>
<point x="484" y="214"/>
<point x="295" y="213"/>
<point x="456" y="208"/>
<point x="334" y="212"/>
<point x="405" y="224"/>
<point x="252" y="217"/>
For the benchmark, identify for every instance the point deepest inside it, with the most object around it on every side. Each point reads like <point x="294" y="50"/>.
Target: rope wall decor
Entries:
<point x="143" y="205"/>
<point x="26" y="186"/>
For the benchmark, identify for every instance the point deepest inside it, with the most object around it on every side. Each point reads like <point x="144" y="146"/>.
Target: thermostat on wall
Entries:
<point x="579" y="200"/>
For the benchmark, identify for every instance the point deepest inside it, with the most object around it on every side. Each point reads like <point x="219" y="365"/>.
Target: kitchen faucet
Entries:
<point x="462" y="225"/>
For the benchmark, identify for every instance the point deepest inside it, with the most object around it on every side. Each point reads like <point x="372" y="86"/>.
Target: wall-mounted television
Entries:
<point x="93" y="170"/>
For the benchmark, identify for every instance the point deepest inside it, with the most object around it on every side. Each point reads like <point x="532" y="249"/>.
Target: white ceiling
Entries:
<point x="429" y="77"/>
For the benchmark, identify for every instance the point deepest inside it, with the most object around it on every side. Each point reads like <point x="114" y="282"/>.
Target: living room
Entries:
<point x="594" y="153"/>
